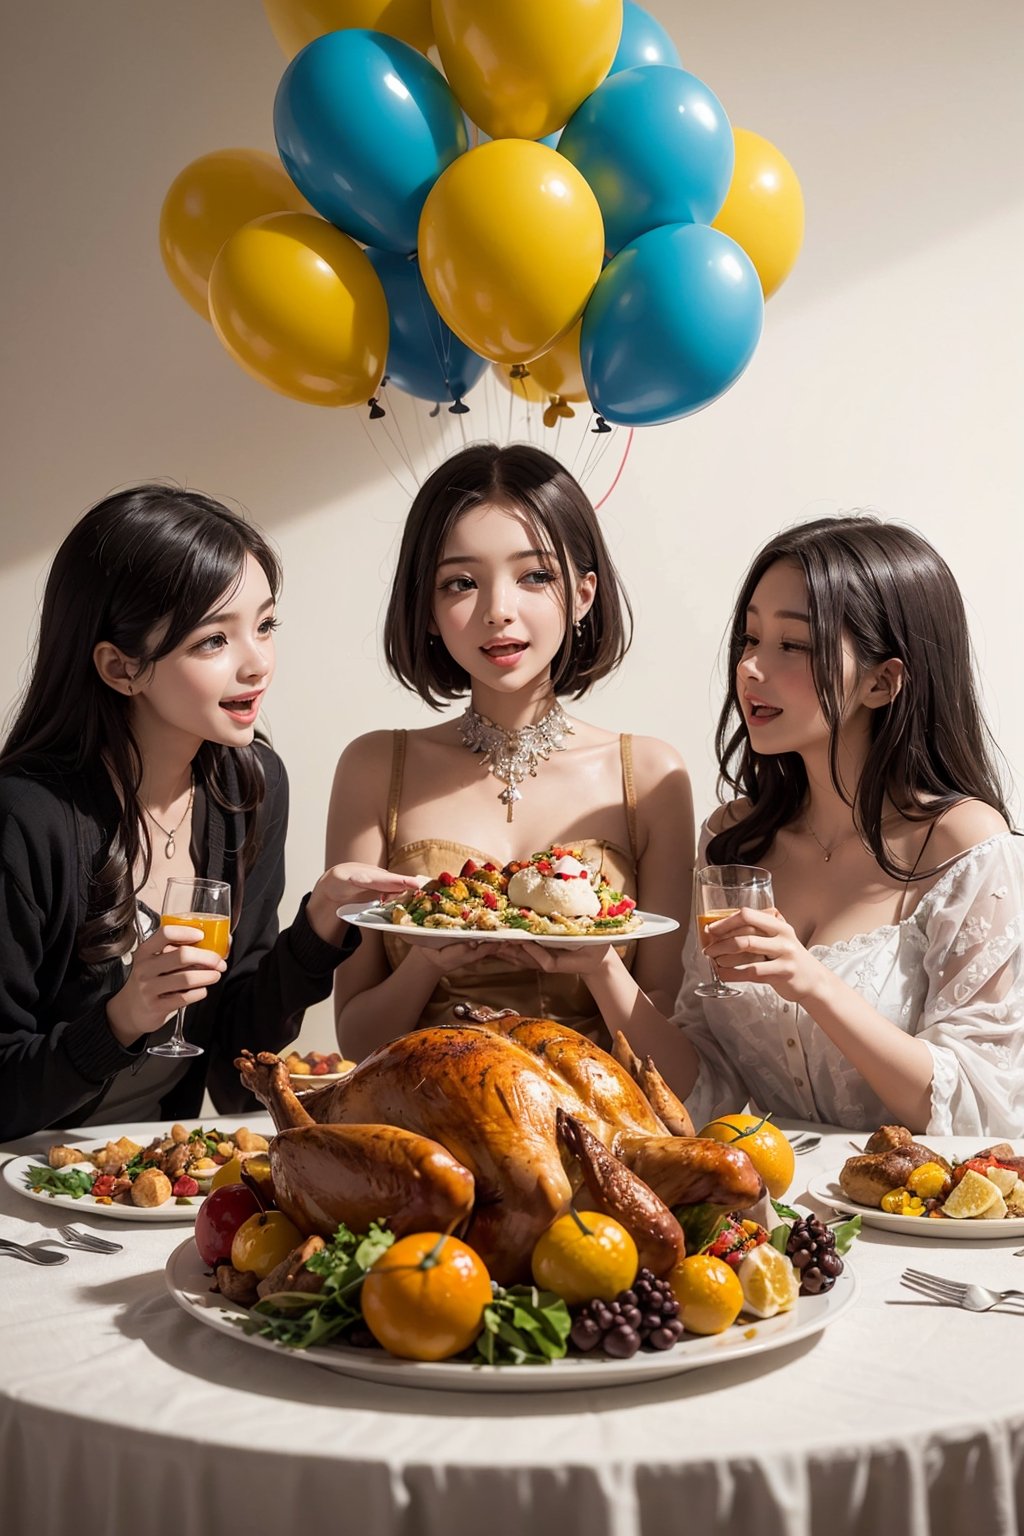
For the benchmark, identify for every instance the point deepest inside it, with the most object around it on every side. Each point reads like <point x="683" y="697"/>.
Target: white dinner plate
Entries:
<point x="827" y="1189"/>
<point x="189" y="1283"/>
<point x="654" y="926"/>
<point x="16" y="1173"/>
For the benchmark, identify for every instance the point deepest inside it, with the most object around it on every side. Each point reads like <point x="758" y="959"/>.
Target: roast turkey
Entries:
<point x="490" y="1127"/>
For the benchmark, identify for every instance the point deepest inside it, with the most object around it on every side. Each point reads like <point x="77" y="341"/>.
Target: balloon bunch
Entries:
<point x="427" y="224"/>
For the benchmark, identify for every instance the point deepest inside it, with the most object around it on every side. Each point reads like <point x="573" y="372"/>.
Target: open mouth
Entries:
<point x="501" y="650"/>
<point x="760" y="711"/>
<point x="244" y="707"/>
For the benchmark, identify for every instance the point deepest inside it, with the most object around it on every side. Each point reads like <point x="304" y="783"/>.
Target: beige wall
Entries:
<point x="889" y="374"/>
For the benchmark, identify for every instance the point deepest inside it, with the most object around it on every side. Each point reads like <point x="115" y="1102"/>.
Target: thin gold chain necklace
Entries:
<point x="829" y="850"/>
<point x="171" y="833"/>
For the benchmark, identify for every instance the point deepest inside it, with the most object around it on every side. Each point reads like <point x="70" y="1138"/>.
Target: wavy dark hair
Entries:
<point x="881" y="586"/>
<point x="537" y="485"/>
<point x="141" y="569"/>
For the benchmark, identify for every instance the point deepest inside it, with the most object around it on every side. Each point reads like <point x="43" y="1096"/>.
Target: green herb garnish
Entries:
<point x="523" y="1326"/>
<point x="845" y="1232"/>
<point x="61" y="1181"/>
<point x="301" y="1318"/>
<point x="701" y="1224"/>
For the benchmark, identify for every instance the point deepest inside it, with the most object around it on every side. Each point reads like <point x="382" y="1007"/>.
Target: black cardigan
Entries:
<point x="57" y="1052"/>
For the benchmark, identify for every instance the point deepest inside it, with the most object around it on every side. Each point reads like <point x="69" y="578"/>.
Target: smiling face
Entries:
<point x="209" y="688"/>
<point x="499" y="602"/>
<point x="774" y="678"/>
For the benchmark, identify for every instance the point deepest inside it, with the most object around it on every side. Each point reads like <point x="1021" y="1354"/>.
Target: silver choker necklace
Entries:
<point x="514" y="755"/>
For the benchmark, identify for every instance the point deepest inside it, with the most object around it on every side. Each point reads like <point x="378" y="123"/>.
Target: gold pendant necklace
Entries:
<point x="172" y="833"/>
<point x="829" y="851"/>
<point x="513" y="756"/>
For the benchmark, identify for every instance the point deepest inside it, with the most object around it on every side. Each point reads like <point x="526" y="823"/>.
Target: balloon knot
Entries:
<point x="376" y="409"/>
<point x="460" y="408"/>
<point x="602" y="425"/>
<point x="519" y="371"/>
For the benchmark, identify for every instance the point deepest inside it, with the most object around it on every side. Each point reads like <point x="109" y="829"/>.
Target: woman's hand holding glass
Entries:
<point x="723" y="893"/>
<point x="759" y="945"/>
<point x="169" y="971"/>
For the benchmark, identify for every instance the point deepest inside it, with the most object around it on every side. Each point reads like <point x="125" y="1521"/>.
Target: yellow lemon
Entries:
<point x="973" y="1196"/>
<point x="768" y="1149"/>
<point x="708" y="1292"/>
<point x="768" y="1281"/>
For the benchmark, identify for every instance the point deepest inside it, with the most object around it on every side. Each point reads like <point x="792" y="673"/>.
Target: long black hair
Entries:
<point x="535" y="484"/>
<point x="141" y="570"/>
<point x="883" y="588"/>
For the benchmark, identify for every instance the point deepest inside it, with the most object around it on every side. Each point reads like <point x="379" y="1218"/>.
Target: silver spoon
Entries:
<point x="34" y="1254"/>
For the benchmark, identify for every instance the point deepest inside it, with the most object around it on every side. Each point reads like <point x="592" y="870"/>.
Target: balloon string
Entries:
<point x="618" y="472"/>
<point x="372" y="436"/>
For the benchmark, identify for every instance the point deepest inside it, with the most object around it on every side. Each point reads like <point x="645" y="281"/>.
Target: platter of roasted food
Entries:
<point x="950" y="1188"/>
<point x="553" y="896"/>
<point x="164" y="1180"/>
<point x="500" y="1205"/>
<point x="315" y="1068"/>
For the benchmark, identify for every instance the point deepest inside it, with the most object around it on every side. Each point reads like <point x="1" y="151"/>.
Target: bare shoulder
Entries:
<point x="366" y="755"/>
<point x="728" y="815"/>
<point x="963" y="826"/>
<point x="655" y="760"/>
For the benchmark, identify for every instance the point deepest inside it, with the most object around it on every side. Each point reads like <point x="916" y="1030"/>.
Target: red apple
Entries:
<point x="219" y="1218"/>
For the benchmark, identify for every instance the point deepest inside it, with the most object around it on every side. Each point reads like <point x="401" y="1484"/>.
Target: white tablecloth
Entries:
<point x="118" y="1413"/>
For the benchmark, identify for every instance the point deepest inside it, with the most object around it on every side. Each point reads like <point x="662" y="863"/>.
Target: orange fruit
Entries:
<point x="768" y="1149"/>
<point x="708" y="1292"/>
<point x="582" y="1257"/>
<point x="424" y="1299"/>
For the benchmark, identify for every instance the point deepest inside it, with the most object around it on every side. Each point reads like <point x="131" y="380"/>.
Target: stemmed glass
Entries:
<point x="194" y="903"/>
<point x="721" y="890"/>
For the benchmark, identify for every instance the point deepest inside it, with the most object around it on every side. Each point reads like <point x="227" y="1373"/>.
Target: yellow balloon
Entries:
<point x="296" y="22"/>
<point x="524" y="386"/>
<point x="764" y="210"/>
<point x="520" y="68"/>
<point x="510" y="245"/>
<point x="207" y="202"/>
<point x="559" y="371"/>
<point x="298" y="305"/>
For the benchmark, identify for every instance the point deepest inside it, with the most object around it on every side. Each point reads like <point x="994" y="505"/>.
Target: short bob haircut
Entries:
<point x="533" y="483"/>
<point x="883" y="587"/>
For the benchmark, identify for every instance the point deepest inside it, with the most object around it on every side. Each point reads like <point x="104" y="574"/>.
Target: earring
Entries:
<point x="578" y="627"/>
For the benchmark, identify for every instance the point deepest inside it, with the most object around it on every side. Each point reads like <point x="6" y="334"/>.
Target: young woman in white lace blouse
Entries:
<point x="888" y="982"/>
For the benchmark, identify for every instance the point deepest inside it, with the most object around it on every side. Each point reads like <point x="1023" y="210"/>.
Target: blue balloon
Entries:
<point x="656" y="147"/>
<point x="672" y="323"/>
<point x="643" y="41"/>
<point x="425" y="358"/>
<point x="365" y="125"/>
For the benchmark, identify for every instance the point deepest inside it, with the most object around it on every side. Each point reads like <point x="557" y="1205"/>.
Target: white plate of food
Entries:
<point x="18" y="1173"/>
<point x="651" y="926"/>
<point x="188" y="1281"/>
<point x="827" y="1189"/>
<point x="315" y="1069"/>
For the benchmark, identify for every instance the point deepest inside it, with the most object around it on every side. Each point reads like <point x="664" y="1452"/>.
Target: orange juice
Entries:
<point x="215" y="929"/>
<point x="705" y="919"/>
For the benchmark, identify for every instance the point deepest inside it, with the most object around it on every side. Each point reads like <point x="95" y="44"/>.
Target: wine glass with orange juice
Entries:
<point x="723" y="889"/>
<point x="193" y="903"/>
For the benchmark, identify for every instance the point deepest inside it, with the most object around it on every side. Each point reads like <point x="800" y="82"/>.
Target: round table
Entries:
<point x="119" y="1413"/>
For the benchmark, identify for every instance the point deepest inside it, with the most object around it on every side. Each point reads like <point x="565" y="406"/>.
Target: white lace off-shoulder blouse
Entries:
<point x="952" y="974"/>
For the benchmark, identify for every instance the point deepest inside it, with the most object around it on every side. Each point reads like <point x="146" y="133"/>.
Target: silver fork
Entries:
<point x="33" y="1254"/>
<point x="955" y="1293"/>
<point x="91" y="1242"/>
<point x="804" y="1142"/>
